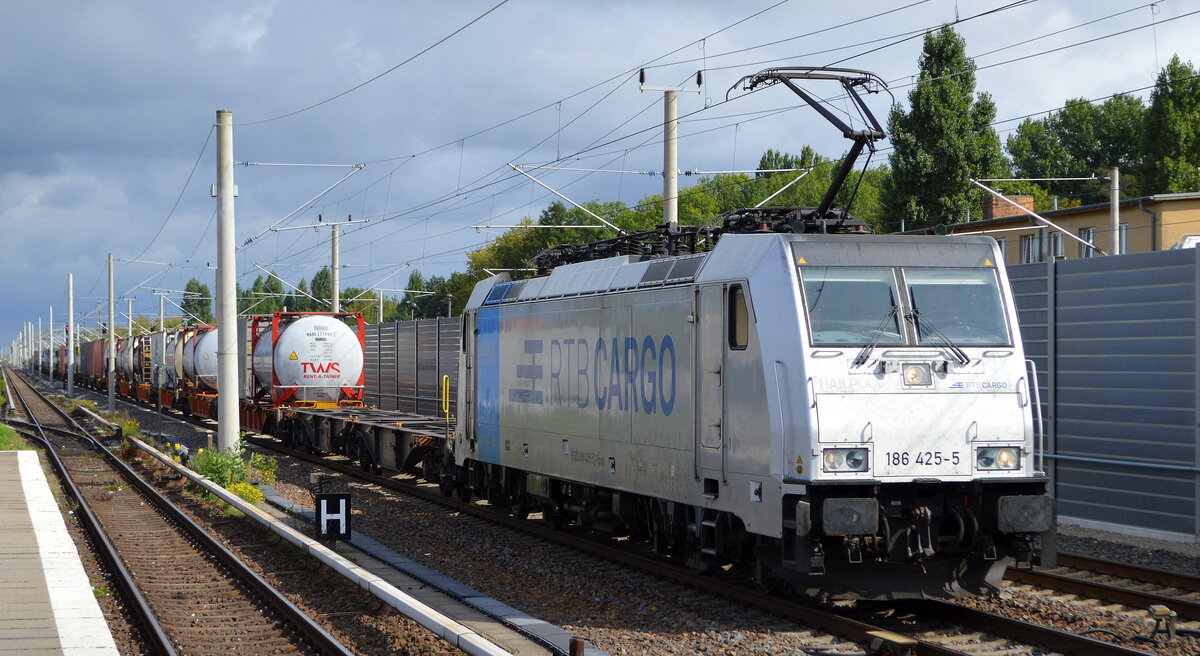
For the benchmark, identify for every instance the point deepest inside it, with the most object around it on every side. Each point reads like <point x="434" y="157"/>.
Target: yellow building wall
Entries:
<point x="1177" y="219"/>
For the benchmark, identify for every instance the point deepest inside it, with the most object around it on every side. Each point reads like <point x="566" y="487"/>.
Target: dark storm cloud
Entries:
<point x="107" y="106"/>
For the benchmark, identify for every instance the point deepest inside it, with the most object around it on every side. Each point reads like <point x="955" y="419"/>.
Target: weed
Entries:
<point x="10" y="441"/>
<point x="221" y="467"/>
<point x="247" y="492"/>
<point x="266" y="466"/>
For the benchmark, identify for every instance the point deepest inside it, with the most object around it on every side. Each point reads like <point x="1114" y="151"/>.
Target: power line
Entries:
<point x="363" y="84"/>
<point x="466" y="192"/>
<point x="181" y="192"/>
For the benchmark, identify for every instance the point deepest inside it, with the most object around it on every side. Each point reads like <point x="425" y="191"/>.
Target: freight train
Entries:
<point x="847" y="414"/>
<point x="838" y="413"/>
<point x="301" y="377"/>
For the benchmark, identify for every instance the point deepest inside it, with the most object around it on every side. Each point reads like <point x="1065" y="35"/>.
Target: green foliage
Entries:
<point x="129" y="426"/>
<point x="70" y="404"/>
<point x="197" y="300"/>
<point x="265" y="466"/>
<point x="321" y="287"/>
<point x="246" y="491"/>
<point x="10" y="441"/>
<point x="773" y="159"/>
<point x="355" y="299"/>
<point x="1171" y="150"/>
<point x="223" y="467"/>
<point x="1081" y="140"/>
<point x="942" y="141"/>
<point x="265" y="296"/>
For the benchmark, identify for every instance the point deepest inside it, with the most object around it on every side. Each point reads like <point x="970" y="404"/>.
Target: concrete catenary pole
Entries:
<point x="70" y="334"/>
<point x="160" y="373"/>
<point x="111" y="368"/>
<point x="227" y="392"/>
<point x="38" y="346"/>
<point x="671" y="160"/>
<point x="670" y="147"/>
<point x="1114" y="211"/>
<point x="334" y="267"/>
<point x="50" y="346"/>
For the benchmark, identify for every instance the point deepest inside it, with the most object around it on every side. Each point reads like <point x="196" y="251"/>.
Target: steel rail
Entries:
<point x="318" y="635"/>
<point x="1137" y="573"/>
<point x="105" y="548"/>
<point x="839" y="625"/>
<point x="1044" y="636"/>
<point x="1115" y="593"/>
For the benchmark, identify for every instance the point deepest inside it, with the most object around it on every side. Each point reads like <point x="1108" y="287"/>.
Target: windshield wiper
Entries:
<point x="941" y="338"/>
<point x="865" y="353"/>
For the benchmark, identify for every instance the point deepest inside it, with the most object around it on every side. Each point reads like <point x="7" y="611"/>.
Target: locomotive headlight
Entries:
<point x="842" y="460"/>
<point x="992" y="458"/>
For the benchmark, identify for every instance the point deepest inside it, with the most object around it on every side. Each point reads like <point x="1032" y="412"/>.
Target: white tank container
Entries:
<point x="205" y="360"/>
<point x="185" y="362"/>
<point x="316" y="355"/>
<point x="123" y="350"/>
<point x="175" y="357"/>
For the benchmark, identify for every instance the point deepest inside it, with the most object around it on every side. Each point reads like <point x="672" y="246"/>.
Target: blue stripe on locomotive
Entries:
<point x="487" y="384"/>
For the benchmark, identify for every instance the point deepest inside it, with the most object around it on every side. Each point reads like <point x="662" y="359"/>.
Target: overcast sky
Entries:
<point x="109" y="106"/>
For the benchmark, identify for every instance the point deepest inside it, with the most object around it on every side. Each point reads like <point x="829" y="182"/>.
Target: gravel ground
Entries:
<point x="626" y="613"/>
<point x="1148" y="552"/>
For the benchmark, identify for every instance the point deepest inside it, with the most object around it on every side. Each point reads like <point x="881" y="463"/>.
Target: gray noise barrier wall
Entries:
<point x="1115" y="342"/>
<point x="405" y="362"/>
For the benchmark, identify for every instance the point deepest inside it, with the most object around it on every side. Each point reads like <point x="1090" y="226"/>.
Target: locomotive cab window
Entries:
<point x="963" y="305"/>
<point x="739" y="319"/>
<point x="851" y="306"/>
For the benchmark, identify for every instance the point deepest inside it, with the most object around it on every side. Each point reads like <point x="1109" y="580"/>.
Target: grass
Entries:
<point x="10" y="441"/>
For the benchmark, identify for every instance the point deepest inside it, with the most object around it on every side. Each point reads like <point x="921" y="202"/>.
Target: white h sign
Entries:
<point x="333" y="516"/>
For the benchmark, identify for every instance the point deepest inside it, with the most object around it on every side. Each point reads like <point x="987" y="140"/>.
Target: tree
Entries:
<point x="197" y="301"/>
<point x="1171" y="151"/>
<point x="321" y="288"/>
<point x="775" y="159"/>
<point x="273" y="288"/>
<point x="301" y="299"/>
<point x="943" y="141"/>
<point x="1081" y="140"/>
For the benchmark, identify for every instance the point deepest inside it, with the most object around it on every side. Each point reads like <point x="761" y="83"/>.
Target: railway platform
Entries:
<point x="49" y="607"/>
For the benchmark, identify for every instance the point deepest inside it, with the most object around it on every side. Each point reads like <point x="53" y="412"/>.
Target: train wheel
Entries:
<point x="463" y="491"/>
<point x="766" y="580"/>
<point x="657" y="531"/>
<point x="284" y="433"/>
<point x="521" y="505"/>
<point x="446" y="485"/>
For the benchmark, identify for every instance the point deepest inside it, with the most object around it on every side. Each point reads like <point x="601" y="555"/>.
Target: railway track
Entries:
<point x="1119" y="583"/>
<point x="194" y="595"/>
<point x="937" y="628"/>
<point x="956" y="631"/>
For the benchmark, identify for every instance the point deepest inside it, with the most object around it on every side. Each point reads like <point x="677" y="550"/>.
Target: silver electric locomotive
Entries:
<point x="849" y="414"/>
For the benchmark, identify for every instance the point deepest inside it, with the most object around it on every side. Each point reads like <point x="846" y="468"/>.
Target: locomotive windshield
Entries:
<point x="962" y="304"/>
<point x="848" y="305"/>
<point x="856" y="306"/>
